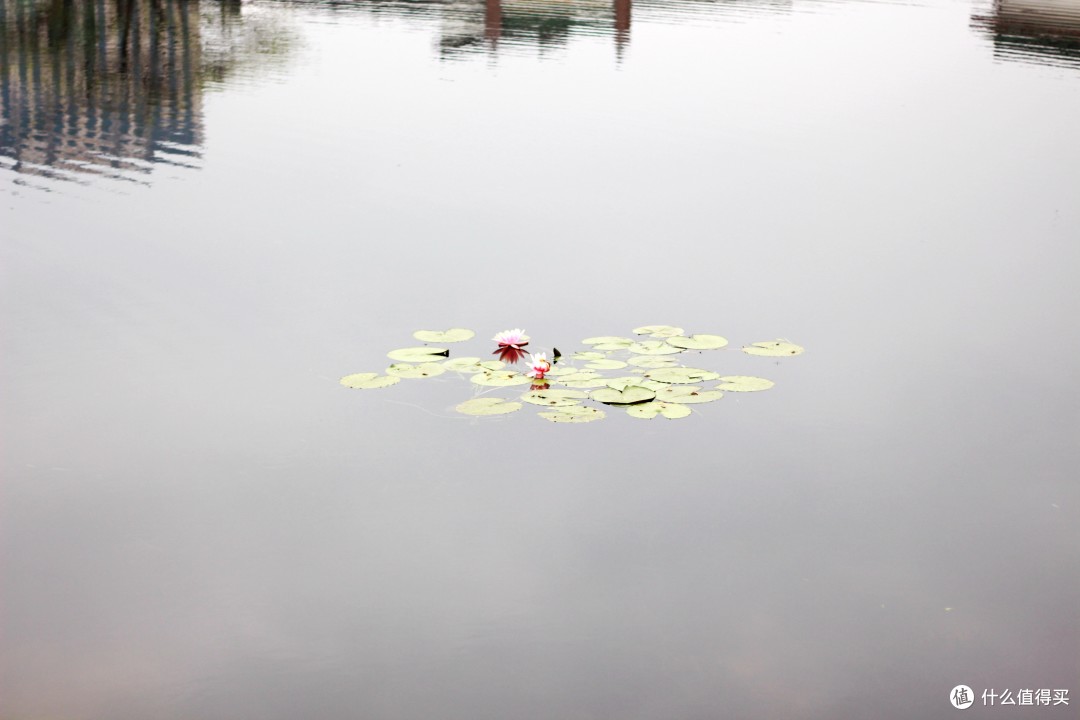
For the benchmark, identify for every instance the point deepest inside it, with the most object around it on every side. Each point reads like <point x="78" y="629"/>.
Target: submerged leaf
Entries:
<point x="629" y="395"/>
<point x="773" y="348"/>
<point x="687" y="394"/>
<point x="652" y="361"/>
<point x="660" y="331"/>
<point x="554" y="397"/>
<point x="605" y="364"/>
<point x="574" y="414"/>
<point x="649" y="410"/>
<point x="698" y="342"/>
<point x="408" y="370"/>
<point x="368" y="381"/>
<point x="744" y="383"/>
<point x="488" y="406"/>
<point x="500" y="378"/>
<point x="653" y="347"/>
<point x="444" y="336"/>
<point x="681" y="375"/>
<point x="418" y="354"/>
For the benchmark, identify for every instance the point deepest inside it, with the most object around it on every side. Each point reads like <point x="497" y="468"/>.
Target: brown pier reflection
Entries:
<point x="1036" y="31"/>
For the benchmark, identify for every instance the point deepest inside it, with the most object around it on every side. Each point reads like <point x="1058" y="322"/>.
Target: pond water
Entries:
<point x="210" y="212"/>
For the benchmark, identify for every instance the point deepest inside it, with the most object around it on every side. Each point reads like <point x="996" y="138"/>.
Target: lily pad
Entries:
<point x="681" y="375"/>
<point x="621" y="383"/>
<point x="608" y="342"/>
<point x="574" y="414"/>
<point x="653" y="347"/>
<point x="660" y="331"/>
<point x="588" y="355"/>
<point x="557" y="370"/>
<point x="418" y="354"/>
<point x="649" y="410"/>
<point x="773" y="348"/>
<point x="744" y="383"/>
<point x="652" y="361"/>
<point x="629" y="395"/>
<point x="554" y="397"/>
<point x="488" y="406"/>
<point x="605" y="364"/>
<point x="444" y="336"/>
<point x="500" y="378"/>
<point x="698" y="342"/>
<point x="472" y="365"/>
<point x="687" y="394"/>
<point x="408" y="370"/>
<point x="368" y="381"/>
<point x="583" y="379"/>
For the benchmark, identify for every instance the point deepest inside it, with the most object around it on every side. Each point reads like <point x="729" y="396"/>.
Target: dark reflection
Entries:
<point x="107" y="87"/>
<point x="510" y="354"/>
<point x="1037" y="31"/>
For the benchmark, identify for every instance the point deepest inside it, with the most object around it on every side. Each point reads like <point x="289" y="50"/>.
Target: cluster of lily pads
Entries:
<point x="642" y="376"/>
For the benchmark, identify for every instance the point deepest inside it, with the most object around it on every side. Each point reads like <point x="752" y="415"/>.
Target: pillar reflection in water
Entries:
<point x="1033" y="31"/>
<point x="526" y="23"/>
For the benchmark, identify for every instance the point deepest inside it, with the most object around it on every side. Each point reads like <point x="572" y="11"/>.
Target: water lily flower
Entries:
<point x="540" y="366"/>
<point x="515" y="338"/>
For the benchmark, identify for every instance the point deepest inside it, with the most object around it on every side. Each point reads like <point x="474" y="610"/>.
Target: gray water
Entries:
<point x="210" y="212"/>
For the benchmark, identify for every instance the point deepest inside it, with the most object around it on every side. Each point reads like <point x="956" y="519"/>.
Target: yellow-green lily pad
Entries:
<point x="629" y="395"/>
<point x="687" y="394"/>
<point x="773" y="348"/>
<point x="408" y="370"/>
<point x="698" y="342"/>
<point x="652" y="361"/>
<point x="444" y="336"/>
<point x="681" y="375"/>
<point x="472" y="365"/>
<point x="621" y="383"/>
<point x="588" y="355"/>
<point x="368" y="381"/>
<point x="744" y="383"/>
<point x="605" y="364"/>
<point x="555" y="397"/>
<point x="418" y="354"/>
<point x="659" y="331"/>
<point x="583" y="379"/>
<point x="500" y="378"/>
<point x="653" y="347"/>
<point x="649" y="410"/>
<point x="488" y="406"/>
<point x="573" y="414"/>
<point x="608" y="342"/>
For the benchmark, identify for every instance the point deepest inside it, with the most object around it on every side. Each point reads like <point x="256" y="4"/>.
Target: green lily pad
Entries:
<point x="588" y="355"/>
<point x="687" y="394"/>
<point x="653" y="347"/>
<point x="408" y="370"/>
<point x="368" y="381"/>
<point x="418" y="354"/>
<point x="698" y="342"/>
<point x="660" y="331"/>
<point x="773" y="348"/>
<point x="554" y="397"/>
<point x="573" y="414"/>
<point x="629" y="395"/>
<point x="444" y="336"/>
<point x="500" y="378"/>
<point x="605" y="364"/>
<point x="744" y="383"/>
<point x="652" y="361"/>
<point x="488" y="406"/>
<point x="681" y="375"/>
<point x="581" y="379"/>
<point x="472" y="365"/>
<point x="649" y="410"/>
<point x="621" y="383"/>
<point x="559" y="370"/>
<point x="608" y="342"/>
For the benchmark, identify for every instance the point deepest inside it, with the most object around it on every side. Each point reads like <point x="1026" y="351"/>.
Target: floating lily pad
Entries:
<point x="418" y="354"/>
<point x="472" y="365"/>
<point x="554" y="397"/>
<point x="653" y="347"/>
<point x="444" y="336"/>
<point x="608" y="342"/>
<point x="629" y="395"/>
<point x="652" y="361"/>
<point x="773" y="348"/>
<point x="558" y="370"/>
<point x="744" y="383"/>
<point x="698" y="342"/>
<point x="488" y="406"/>
<point x="573" y="414"/>
<point x="621" y="383"/>
<point x="588" y="355"/>
<point x="687" y="394"/>
<point x="659" y="331"/>
<point x="581" y="379"/>
<point x="500" y="378"/>
<point x="605" y="364"/>
<point x="368" y="381"/>
<point x="681" y="375"/>
<point x="408" y="370"/>
<point x="649" y="410"/>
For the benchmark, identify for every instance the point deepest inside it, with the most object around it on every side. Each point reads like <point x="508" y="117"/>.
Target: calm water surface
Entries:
<point x="209" y="212"/>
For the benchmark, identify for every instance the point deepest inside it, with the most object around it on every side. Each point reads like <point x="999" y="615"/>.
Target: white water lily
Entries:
<point x="515" y="338"/>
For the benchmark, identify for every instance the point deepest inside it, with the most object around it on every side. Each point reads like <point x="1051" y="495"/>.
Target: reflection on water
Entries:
<point x="112" y="87"/>
<point x="1034" y="31"/>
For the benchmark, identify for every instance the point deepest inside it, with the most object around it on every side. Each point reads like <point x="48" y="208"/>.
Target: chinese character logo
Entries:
<point x="961" y="697"/>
